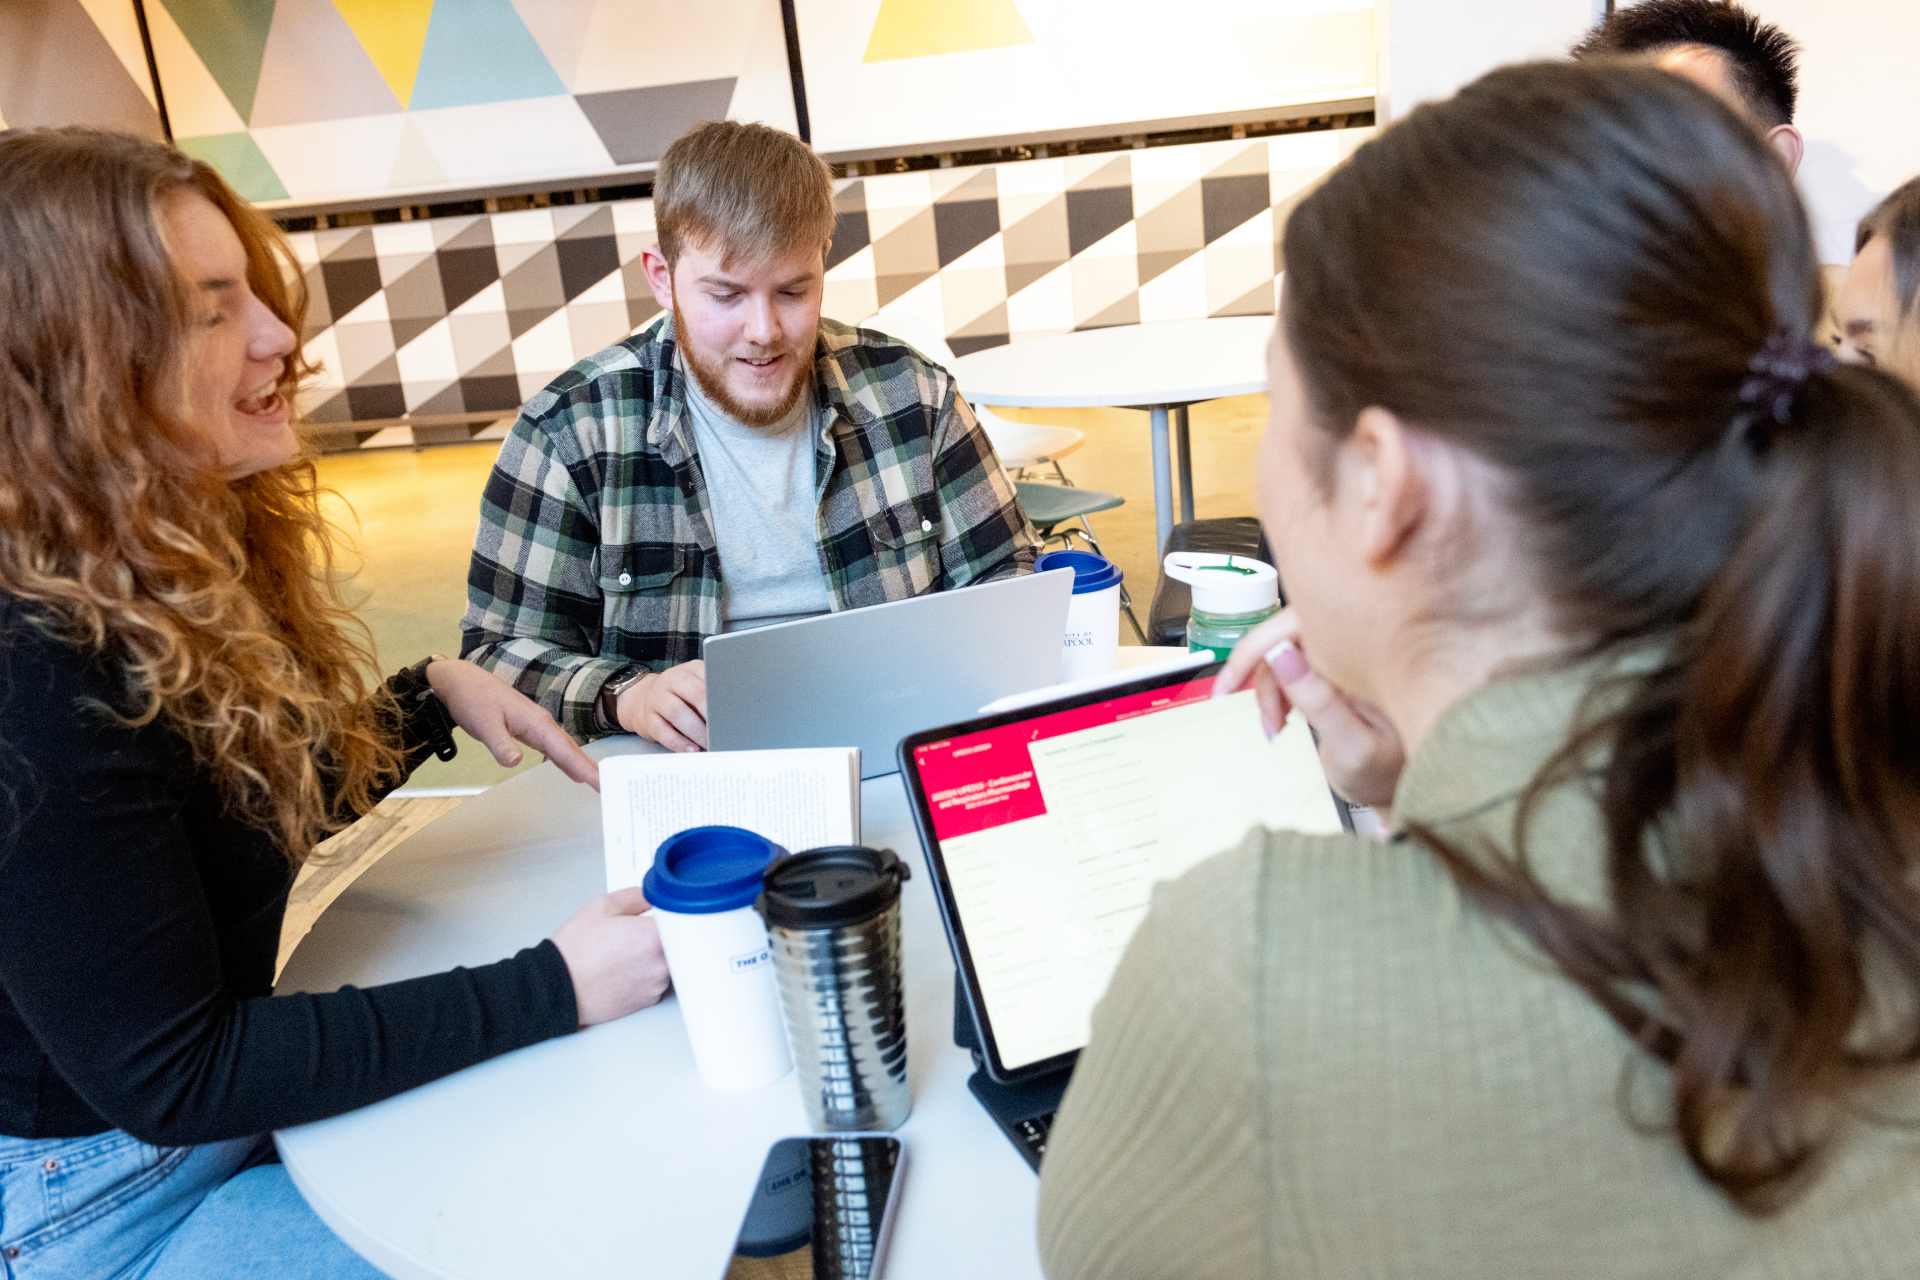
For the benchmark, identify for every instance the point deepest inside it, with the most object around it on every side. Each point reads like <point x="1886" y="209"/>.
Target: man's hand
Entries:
<point x="669" y="706"/>
<point x="496" y="713"/>
<point x="1361" y="751"/>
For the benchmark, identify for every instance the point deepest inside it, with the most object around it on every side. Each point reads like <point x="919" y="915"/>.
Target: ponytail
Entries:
<point x="1591" y="302"/>
<point x="1762" y="804"/>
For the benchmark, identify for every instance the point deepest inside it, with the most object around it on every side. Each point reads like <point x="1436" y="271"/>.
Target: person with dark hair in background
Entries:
<point x="1876" y="314"/>
<point x="1560" y="482"/>
<point x="1750" y="64"/>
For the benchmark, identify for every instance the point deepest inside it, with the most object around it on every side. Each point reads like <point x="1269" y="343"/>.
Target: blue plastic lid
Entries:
<point x="1090" y="572"/>
<point x="704" y="870"/>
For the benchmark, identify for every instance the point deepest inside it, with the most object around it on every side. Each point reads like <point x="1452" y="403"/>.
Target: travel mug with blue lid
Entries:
<point x="1093" y="613"/>
<point x="833" y="921"/>
<point x="702" y="887"/>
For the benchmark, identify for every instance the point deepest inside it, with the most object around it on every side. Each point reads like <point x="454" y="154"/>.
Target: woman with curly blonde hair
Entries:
<point x="185" y="710"/>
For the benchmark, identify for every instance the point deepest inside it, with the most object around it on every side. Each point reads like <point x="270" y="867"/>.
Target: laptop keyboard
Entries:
<point x="1030" y="1135"/>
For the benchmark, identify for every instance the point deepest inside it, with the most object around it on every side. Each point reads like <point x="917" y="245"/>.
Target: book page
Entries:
<point x="798" y="799"/>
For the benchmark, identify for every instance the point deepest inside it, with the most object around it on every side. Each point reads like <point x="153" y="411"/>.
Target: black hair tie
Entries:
<point x="1775" y="379"/>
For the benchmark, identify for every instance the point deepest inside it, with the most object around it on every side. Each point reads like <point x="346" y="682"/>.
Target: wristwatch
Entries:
<point x="621" y="681"/>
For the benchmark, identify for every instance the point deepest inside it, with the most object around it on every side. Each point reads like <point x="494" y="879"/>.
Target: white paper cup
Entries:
<point x="1093" y="614"/>
<point x="702" y="887"/>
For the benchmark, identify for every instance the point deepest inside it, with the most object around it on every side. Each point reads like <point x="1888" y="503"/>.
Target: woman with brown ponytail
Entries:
<point x="184" y="711"/>
<point x="1561" y="485"/>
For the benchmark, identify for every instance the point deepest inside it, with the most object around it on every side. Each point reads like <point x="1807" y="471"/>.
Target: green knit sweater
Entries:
<point x="1316" y="1059"/>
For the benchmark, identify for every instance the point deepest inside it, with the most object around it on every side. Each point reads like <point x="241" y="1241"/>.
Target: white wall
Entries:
<point x="1859" y="105"/>
<point x="1859" y="81"/>
<point x="1430" y="48"/>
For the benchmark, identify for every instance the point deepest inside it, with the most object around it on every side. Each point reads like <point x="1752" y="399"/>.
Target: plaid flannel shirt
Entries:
<point x="596" y="549"/>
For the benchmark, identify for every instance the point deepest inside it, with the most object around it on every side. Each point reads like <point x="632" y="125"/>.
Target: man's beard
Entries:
<point x="711" y="375"/>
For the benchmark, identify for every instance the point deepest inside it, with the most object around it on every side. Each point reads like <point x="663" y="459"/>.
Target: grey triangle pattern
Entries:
<point x="1030" y="225"/>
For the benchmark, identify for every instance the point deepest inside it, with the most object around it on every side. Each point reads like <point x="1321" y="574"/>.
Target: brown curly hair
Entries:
<point x="217" y="599"/>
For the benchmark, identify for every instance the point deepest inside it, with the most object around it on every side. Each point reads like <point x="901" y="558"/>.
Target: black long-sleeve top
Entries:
<point x="139" y="925"/>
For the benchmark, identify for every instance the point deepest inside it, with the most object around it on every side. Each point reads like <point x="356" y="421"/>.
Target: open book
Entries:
<point x="799" y="799"/>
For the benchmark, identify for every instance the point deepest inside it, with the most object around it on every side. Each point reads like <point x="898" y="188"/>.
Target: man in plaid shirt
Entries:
<point x="739" y="461"/>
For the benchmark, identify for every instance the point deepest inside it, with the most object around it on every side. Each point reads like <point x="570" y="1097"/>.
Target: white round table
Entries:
<point x="599" y="1153"/>
<point x="1161" y="368"/>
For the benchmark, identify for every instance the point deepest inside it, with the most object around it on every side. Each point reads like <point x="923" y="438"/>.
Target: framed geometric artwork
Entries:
<point x="886" y="75"/>
<point x="312" y="102"/>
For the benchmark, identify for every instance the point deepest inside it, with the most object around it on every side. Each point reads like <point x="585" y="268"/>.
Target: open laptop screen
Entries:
<point x="1047" y="828"/>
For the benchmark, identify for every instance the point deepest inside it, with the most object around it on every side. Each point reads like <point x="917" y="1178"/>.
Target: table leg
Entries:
<point x="1183" y="446"/>
<point x="1162" y="479"/>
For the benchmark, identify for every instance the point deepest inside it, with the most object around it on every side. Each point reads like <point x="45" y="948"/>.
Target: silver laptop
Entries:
<point x="868" y="677"/>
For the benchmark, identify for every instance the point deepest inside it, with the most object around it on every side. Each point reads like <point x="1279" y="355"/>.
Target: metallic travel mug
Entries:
<point x="833" y="923"/>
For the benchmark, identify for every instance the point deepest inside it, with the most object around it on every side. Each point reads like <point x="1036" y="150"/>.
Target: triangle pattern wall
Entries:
<point x="311" y="101"/>
<point x="60" y="64"/>
<point x="435" y="331"/>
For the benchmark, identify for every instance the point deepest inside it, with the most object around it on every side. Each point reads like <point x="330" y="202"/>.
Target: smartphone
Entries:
<point x="820" y="1208"/>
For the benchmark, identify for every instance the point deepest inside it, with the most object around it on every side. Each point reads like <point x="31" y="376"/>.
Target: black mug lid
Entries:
<point x="829" y="887"/>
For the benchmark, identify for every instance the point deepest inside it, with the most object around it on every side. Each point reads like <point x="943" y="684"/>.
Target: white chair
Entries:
<point x="1027" y="446"/>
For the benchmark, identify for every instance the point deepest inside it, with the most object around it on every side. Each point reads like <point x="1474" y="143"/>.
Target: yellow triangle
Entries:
<point x="394" y="33"/>
<point x="921" y="28"/>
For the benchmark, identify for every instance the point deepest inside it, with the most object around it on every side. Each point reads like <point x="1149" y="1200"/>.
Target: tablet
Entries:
<point x="1046" y="828"/>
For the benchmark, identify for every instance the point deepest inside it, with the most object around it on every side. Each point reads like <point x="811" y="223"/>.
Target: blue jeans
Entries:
<point x="110" y="1207"/>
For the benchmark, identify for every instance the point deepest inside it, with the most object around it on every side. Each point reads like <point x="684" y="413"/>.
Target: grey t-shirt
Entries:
<point x="763" y="501"/>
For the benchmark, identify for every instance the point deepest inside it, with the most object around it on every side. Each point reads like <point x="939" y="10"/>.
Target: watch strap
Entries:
<point x="616" y="684"/>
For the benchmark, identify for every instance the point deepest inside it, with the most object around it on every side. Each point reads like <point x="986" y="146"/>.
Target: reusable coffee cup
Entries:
<point x="702" y="888"/>
<point x="1093" y="616"/>
<point x="833" y="921"/>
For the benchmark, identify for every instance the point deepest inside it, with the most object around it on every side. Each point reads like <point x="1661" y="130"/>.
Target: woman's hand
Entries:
<point x="497" y="714"/>
<point x="1361" y="751"/>
<point x="612" y="949"/>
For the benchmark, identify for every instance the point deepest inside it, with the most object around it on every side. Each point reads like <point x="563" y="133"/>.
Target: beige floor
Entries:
<point x="1117" y="457"/>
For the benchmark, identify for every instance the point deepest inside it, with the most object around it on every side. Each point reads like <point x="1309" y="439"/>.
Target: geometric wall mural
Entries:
<point x="307" y="101"/>
<point x="74" y="62"/>
<point x="958" y="71"/>
<point x="473" y="315"/>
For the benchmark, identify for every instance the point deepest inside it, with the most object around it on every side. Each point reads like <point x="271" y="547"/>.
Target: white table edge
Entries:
<point x="1116" y="400"/>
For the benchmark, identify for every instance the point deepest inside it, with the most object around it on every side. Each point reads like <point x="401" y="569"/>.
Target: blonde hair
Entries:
<point x="216" y="599"/>
<point x="752" y="191"/>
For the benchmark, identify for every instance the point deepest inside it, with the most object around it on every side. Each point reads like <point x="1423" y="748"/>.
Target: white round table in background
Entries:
<point x="1161" y="368"/>
<point x="599" y="1153"/>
